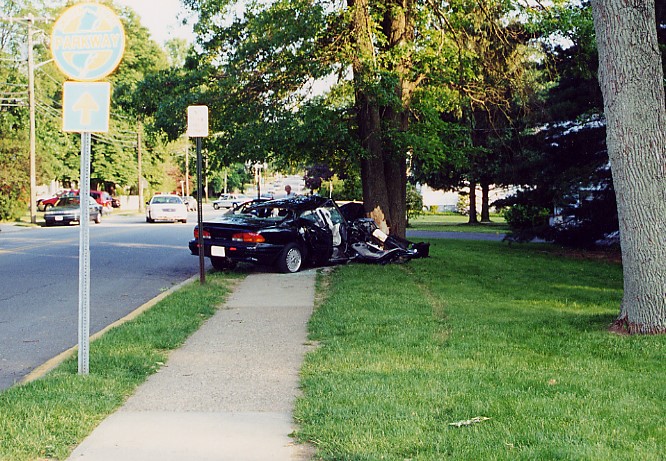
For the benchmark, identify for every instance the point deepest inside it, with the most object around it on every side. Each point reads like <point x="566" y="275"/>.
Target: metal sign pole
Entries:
<point x="84" y="256"/>
<point x="202" y="270"/>
<point x="86" y="104"/>
<point x="197" y="127"/>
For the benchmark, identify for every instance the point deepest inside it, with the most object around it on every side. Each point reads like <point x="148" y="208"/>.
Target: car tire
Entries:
<point x="149" y="220"/>
<point x="47" y="206"/>
<point x="290" y="259"/>
<point x="216" y="206"/>
<point x="184" y="221"/>
<point x="221" y="264"/>
<point x="98" y="218"/>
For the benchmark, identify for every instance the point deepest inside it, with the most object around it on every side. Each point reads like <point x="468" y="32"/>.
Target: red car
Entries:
<point x="46" y="203"/>
<point x="101" y="197"/>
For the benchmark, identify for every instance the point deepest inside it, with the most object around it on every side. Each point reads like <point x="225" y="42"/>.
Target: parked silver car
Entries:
<point x="230" y="201"/>
<point x="68" y="210"/>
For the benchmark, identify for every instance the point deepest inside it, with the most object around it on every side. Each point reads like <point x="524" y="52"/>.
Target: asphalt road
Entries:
<point x="131" y="263"/>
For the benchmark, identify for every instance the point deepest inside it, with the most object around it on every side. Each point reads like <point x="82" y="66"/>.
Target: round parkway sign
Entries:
<point x="88" y="42"/>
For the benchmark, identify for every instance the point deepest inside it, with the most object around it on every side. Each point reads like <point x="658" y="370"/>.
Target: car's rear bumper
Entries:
<point x="262" y="253"/>
<point x="60" y="220"/>
<point x="167" y="217"/>
<point x="67" y="219"/>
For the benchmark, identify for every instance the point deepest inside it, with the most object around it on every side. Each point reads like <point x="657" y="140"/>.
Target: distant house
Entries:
<point x="443" y="201"/>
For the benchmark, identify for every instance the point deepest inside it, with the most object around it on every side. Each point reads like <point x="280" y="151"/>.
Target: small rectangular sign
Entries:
<point x="86" y="107"/>
<point x="197" y="121"/>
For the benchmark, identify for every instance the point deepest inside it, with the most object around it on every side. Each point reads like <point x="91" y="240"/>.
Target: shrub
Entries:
<point x="463" y="204"/>
<point x="526" y="221"/>
<point x="414" y="203"/>
<point x="14" y="192"/>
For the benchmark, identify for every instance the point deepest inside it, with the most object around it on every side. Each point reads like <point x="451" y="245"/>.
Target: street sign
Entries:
<point x="197" y="127"/>
<point x="86" y="107"/>
<point x="197" y="121"/>
<point x="88" y="42"/>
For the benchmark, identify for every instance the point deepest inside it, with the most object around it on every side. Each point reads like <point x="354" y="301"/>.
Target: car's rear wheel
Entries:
<point x="221" y="264"/>
<point x="216" y="206"/>
<point x="47" y="206"/>
<point x="290" y="259"/>
<point x="98" y="218"/>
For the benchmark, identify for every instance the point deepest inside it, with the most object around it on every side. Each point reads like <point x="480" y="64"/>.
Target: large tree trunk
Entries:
<point x="485" y="202"/>
<point x="472" y="204"/>
<point x="631" y="79"/>
<point x="384" y="169"/>
<point x="398" y="26"/>
<point x="375" y="194"/>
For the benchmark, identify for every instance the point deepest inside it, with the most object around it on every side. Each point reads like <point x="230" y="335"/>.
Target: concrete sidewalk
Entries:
<point x="228" y="393"/>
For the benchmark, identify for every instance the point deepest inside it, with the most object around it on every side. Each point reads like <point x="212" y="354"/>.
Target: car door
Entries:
<point x="317" y="236"/>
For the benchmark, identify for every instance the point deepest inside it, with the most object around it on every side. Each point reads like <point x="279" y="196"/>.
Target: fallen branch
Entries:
<point x="469" y="422"/>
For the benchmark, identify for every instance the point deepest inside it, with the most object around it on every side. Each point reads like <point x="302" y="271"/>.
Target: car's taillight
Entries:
<point x="248" y="237"/>
<point x="206" y="234"/>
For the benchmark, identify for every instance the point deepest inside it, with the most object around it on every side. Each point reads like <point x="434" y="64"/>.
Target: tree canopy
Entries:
<point x="455" y="94"/>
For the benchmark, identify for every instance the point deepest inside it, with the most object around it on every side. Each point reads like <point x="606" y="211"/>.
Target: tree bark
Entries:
<point x="472" y="203"/>
<point x="631" y="80"/>
<point x="384" y="168"/>
<point x="375" y="194"/>
<point x="485" y="202"/>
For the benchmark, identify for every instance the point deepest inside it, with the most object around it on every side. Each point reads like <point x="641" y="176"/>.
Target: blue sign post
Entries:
<point x="87" y="44"/>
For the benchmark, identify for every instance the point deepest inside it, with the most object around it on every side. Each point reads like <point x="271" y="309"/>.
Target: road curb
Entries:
<point x="49" y="365"/>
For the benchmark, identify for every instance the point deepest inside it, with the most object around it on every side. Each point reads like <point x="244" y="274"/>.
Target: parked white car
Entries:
<point x="229" y="201"/>
<point x="166" y="207"/>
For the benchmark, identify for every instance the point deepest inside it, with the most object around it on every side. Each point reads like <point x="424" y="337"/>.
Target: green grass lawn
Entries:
<point x="457" y="223"/>
<point x="48" y="418"/>
<point x="517" y="334"/>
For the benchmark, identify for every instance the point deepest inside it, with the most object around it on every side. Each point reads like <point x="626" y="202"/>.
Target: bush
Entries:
<point x="11" y="208"/>
<point x="14" y="192"/>
<point x="414" y="202"/>
<point x="526" y="221"/>
<point x="463" y="204"/>
<point x="522" y="217"/>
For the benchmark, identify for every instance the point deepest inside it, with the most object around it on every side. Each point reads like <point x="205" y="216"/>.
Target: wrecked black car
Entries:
<point x="303" y="230"/>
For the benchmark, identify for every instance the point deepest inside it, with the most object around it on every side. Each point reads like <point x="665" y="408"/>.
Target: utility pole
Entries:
<point x="29" y="20"/>
<point x="206" y="177"/>
<point x="33" y="129"/>
<point x="138" y="153"/>
<point x="187" y="167"/>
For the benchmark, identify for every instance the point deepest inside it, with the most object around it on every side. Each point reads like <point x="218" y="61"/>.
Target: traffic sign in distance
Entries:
<point x="88" y="42"/>
<point x="86" y="107"/>
<point x="197" y="121"/>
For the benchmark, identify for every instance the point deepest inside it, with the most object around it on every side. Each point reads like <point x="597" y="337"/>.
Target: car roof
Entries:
<point x="299" y="202"/>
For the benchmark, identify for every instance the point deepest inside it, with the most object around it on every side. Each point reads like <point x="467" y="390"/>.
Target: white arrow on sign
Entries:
<point x="86" y="105"/>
